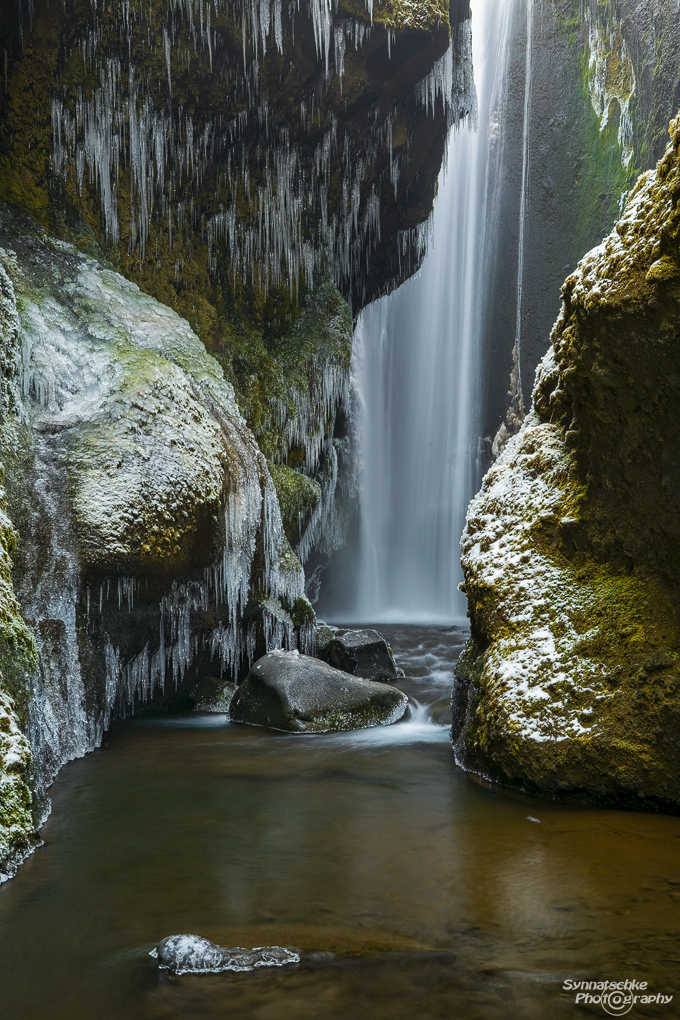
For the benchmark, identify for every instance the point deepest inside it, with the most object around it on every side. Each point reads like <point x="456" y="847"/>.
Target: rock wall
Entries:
<point x="261" y="169"/>
<point x="604" y="83"/>
<point x="240" y="163"/>
<point x="151" y="543"/>
<point x="571" y="554"/>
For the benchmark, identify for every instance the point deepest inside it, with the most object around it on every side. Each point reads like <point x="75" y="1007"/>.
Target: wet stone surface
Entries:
<point x="301" y="694"/>
<point x="364" y="653"/>
<point x="191" y="954"/>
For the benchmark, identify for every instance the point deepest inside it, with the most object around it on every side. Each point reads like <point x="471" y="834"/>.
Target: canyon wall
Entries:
<point x="604" y="82"/>
<point x="571" y="682"/>
<point x="194" y="199"/>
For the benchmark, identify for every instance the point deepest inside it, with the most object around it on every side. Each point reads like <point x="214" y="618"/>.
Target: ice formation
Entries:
<point x="137" y="449"/>
<point x="273" y="223"/>
<point x="191" y="954"/>
<point x="611" y="78"/>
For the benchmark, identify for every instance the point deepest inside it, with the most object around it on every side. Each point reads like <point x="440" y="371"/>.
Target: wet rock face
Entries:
<point x="300" y="694"/>
<point x="151" y="543"/>
<point x="190" y="954"/>
<point x="162" y="152"/>
<point x="240" y="162"/>
<point x="363" y="653"/>
<point x="572" y="547"/>
<point x="604" y="85"/>
<point x="213" y="696"/>
<point x="17" y="823"/>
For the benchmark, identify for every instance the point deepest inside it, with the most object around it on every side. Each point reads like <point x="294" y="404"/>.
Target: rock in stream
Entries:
<point x="301" y="694"/>
<point x="191" y="954"/>
<point x="363" y="653"/>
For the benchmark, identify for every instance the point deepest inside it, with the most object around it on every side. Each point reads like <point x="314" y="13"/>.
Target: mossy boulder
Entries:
<point x="146" y="516"/>
<point x="17" y="826"/>
<point x="301" y="694"/>
<point x="571" y="552"/>
<point x="131" y="406"/>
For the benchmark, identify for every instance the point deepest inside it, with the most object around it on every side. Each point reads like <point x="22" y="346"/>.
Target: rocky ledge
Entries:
<point x="570" y="684"/>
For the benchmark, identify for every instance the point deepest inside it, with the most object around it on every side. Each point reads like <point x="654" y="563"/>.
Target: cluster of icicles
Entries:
<point x="275" y="230"/>
<point x="65" y="719"/>
<point x="226" y="584"/>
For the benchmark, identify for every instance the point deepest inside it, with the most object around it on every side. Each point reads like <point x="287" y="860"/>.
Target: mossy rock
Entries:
<point x="298" y="498"/>
<point x="571" y="553"/>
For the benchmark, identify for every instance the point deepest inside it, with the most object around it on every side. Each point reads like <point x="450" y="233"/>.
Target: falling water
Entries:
<point x="418" y="373"/>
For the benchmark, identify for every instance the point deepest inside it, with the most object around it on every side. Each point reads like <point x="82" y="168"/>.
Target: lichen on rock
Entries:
<point x="571" y="551"/>
<point x="151" y="534"/>
<point x="17" y="647"/>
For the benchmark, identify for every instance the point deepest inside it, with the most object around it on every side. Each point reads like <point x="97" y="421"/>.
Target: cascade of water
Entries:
<point x="517" y="352"/>
<point x="418" y="375"/>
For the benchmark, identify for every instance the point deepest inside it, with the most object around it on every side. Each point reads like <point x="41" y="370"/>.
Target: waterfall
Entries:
<point x="517" y="352"/>
<point x="418" y="372"/>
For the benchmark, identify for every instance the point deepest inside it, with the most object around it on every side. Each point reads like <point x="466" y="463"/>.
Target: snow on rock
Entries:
<point x="532" y="626"/>
<point x="146" y="510"/>
<point x="191" y="954"/>
<point x="17" y="837"/>
<point x="571" y="555"/>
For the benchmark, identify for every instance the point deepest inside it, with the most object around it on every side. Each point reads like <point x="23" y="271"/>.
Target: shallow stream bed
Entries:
<point x="413" y="890"/>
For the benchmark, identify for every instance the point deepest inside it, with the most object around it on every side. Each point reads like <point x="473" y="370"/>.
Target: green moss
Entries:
<point x="298" y="498"/>
<point x="601" y="177"/>
<point x="424" y="16"/>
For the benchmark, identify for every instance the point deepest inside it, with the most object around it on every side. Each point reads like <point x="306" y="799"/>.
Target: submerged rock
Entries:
<point x="190" y="954"/>
<point x="440" y="712"/>
<point x="363" y="653"/>
<point x="289" y="691"/>
<point x="571" y="552"/>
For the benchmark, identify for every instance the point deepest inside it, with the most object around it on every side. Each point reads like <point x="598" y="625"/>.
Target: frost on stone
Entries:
<point x="138" y="452"/>
<point x="532" y="599"/>
<point x="191" y="954"/>
<point x="16" y="822"/>
<point x="571" y="601"/>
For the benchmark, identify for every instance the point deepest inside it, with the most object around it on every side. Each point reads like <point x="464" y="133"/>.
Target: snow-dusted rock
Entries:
<point x="571" y="551"/>
<point x="144" y="505"/>
<point x="190" y="954"/>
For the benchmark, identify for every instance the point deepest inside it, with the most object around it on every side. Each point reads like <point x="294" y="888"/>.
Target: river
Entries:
<point x="413" y="889"/>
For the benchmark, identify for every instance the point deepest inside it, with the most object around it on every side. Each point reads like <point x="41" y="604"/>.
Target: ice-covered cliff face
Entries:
<point x="151" y="542"/>
<point x="571" y="552"/>
<point x="242" y="145"/>
<point x="257" y="166"/>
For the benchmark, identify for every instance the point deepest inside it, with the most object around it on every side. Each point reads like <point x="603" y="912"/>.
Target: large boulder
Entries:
<point x="571" y="553"/>
<point x="363" y="653"/>
<point x="300" y="694"/>
<point x="149" y="547"/>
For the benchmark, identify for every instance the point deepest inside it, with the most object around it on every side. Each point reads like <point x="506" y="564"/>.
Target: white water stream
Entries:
<point x="418" y="374"/>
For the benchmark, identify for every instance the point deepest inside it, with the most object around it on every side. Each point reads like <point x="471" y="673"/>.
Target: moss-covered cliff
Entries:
<point x="571" y="552"/>
<point x="604" y="83"/>
<point x="240" y="163"/>
<point x="18" y="655"/>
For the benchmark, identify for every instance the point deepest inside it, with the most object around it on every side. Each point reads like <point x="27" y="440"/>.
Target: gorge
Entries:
<point x="277" y="284"/>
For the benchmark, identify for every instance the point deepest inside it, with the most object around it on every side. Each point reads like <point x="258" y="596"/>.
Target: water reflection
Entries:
<point x="437" y="894"/>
